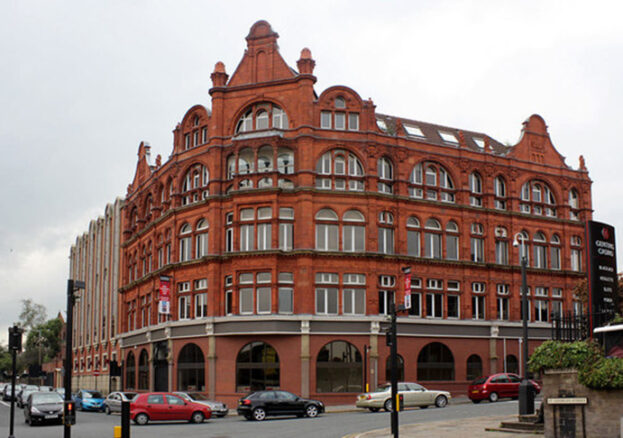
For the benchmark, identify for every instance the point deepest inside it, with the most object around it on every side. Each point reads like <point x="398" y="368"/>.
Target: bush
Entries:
<point x="594" y="370"/>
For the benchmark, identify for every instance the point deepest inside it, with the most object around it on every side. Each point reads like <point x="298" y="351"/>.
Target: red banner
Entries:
<point x="407" y="290"/>
<point x="164" y="295"/>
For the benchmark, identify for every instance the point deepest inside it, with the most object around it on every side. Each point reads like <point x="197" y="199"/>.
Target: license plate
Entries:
<point x="475" y="391"/>
<point x="49" y="417"/>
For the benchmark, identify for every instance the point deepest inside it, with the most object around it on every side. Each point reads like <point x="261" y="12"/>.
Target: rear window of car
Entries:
<point x="479" y="381"/>
<point x="382" y="388"/>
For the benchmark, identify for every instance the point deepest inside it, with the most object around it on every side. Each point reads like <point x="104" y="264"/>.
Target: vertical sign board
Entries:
<point x="602" y="273"/>
<point x="408" y="290"/>
<point x="164" y="296"/>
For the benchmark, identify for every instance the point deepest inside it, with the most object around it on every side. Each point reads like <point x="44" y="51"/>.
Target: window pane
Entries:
<point x="263" y="300"/>
<point x="246" y="300"/>
<point x="285" y="300"/>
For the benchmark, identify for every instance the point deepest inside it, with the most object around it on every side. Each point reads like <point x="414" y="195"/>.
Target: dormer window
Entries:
<point x="262" y="116"/>
<point x="448" y="137"/>
<point x="340" y="102"/>
<point x="338" y="118"/>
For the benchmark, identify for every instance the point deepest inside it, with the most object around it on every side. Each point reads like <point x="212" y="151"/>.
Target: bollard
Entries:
<point x="117" y="432"/>
<point x="125" y="419"/>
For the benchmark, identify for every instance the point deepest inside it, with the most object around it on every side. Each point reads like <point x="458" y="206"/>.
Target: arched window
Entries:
<point x="285" y="161"/>
<point x="386" y="175"/>
<point x="257" y="367"/>
<point x="327" y="232"/>
<point x="143" y="370"/>
<point x="474" y="367"/>
<point x="400" y="368"/>
<point x="130" y="372"/>
<point x="540" y="250"/>
<point x="574" y="205"/>
<point x="431" y="181"/>
<point x="201" y="240"/>
<point x="231" y="166"/>
<point x="340" y="102"/>
<point x="538" y="199"/>
<point x="512" y="364"/>
<point x="194" y="187"/>
<point x="501" y="246"/>
<point x="432" y="239"/>
<point x="258" y="117"/>
<point x="435" y="362"/>
<point x="246" y="161"/>
<point x="185" y="243"/>
<point x="413" y="237"/>
<point x="191" y="369"/>
<point x="452" y="241"/>
<point x="499" y="191"/>
<point x="339" y="368"/>
<point x="353" y="231"/>
<point x="475" y="189"/>
<point x="265" y="159"/>
<point x="339" y="170"/>
<point x="555" y="252"/>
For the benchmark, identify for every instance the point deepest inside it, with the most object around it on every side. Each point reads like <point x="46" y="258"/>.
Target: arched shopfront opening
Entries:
<point x="474" y="367"/>
<point x="191" y="369"/>
<point x="339" y="368"/>
<point x="130" y="370"/>
<point x="512" y="364"/>
<point x="143" y="370"/>
<point x="400" y="369"/>
<point x="257" y="367"/>
<point x="435" y="362"/>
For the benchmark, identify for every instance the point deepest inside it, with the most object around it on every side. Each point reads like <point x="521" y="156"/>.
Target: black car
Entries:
<point x="43" y="406"/>
<point x="261" y="404"/>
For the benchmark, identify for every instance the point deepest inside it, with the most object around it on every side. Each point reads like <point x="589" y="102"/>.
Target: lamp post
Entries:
<point x="526" y="390"/>
<point x="72" y="286"/>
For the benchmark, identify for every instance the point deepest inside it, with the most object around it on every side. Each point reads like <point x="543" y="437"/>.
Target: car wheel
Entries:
<point x="441" y="401"/>
<point x="311" y="411"/>
<point x="374" y="409"/>
<point x="388" y="405"/>
<point x="197" y="417"/>
<point x="141" y="419"/>
<point x="107" y="410"/>
<point x="259" y="414"/>
<point x="476" y="401"/>
<point x="493" y="397"/>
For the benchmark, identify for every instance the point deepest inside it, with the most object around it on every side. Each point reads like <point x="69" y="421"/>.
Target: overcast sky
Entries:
<point x="83" y="82"/>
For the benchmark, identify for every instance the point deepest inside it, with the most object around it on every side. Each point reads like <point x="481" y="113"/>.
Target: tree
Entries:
<point x="32" y="314"/>
<point x="47" y="337"/>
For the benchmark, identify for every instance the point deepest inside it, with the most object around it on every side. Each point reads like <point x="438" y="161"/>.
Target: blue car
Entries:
<point x="88" y="400"/>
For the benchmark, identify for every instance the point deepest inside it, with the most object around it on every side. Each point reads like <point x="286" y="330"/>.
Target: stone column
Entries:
<point x="493" y="349"/>
<point x="211" y="360"/>
<point x="375" y="328"/>
<point x="305" y="359"/>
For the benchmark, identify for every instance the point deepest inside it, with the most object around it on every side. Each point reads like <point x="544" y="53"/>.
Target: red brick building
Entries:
<point x="283" y="218"/>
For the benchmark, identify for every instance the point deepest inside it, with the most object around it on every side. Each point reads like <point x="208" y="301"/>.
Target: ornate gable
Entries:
<point x="535" y="144"/>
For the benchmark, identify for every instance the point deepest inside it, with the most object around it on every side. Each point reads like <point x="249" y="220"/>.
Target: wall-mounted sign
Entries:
<point x="602" y="273"/>
<point x="164" y="296"/>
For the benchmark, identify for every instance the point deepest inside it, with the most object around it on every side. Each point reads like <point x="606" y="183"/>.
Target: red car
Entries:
<point x="496" y="386"/>
<point x="163" y="406"/>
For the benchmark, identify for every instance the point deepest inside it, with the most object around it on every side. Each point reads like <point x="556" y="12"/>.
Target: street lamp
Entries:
<point x="526" y="390"/>
<point x="72" y="286"/>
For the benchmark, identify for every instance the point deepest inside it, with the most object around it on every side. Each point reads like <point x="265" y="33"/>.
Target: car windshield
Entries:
<point x="52" y="397"/>
<point x="479" y="381"/>
<point x="383" y="388"/>
<point x="93" y="394"/>
<point x="129" y="395"/>
<point x="198" y="396"/>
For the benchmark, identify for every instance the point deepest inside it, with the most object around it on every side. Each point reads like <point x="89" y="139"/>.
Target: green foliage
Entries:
<point x="594" y="370"/>
<point x="5" y="360"/>
<point x="32" y="315"/>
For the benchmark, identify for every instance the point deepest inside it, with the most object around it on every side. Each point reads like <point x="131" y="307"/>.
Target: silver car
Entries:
<point x="413" y="395"/>
<point x="219" y="409"/>
<point x="114" y="399"/>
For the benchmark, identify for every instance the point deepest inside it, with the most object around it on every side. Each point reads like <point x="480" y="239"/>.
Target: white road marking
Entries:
<point x="5" y="404"/>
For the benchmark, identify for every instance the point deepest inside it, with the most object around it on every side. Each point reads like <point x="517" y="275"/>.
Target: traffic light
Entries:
<point x="69" y="413"/>
<point x="389" y="337"/>
<point x="15" y="338"/>
<point x="401" y="402"/>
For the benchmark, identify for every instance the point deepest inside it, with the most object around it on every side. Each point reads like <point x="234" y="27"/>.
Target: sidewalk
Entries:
<point x="471" y="427"/>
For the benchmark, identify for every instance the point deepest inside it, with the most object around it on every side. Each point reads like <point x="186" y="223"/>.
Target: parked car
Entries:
<point x="46" y="388"/>
<point x="114" y="399"/>
<point x="24" y="393"/>
<point x="6" y="393"/>
<point x="41" y="406"/>
<point x="218" y="409"/>
<point x="88" y="400"/>
<point x="163" y="406"/>
<point x="413" y="395"/>
<point x="497" y="386"/>
<point x="61" y="391"/>
<point x="261" y="404"/>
